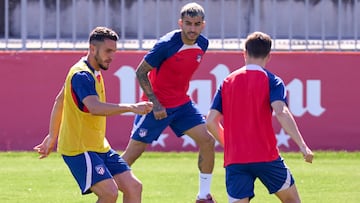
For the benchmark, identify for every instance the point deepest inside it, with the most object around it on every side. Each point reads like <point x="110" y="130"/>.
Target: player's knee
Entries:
<point x="211" y="139"/>
<point x="207" y="141"/>
<point x="113" y="196"/>
<point x="137" y="187"/>
<point x="133" y="188"/>
<point x="109" y="196"/>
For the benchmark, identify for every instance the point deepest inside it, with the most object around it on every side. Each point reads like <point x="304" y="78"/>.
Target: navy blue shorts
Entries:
<point x="240" y="178"/>
<point x="180" y="119"/>
<point x="89" y="168"/>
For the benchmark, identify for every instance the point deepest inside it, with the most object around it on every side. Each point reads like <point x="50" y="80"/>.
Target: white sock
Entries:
<point x="204" y="185"/>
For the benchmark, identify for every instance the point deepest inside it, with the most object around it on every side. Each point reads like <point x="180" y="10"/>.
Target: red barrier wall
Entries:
<point x="321" y="89"/>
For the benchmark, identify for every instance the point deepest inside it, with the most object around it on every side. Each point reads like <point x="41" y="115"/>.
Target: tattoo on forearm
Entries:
<point x="142" y="76"/>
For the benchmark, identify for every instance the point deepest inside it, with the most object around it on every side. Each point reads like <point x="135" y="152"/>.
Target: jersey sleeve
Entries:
<point x="156" y="55"/>
<point x="83" y="85"/>
<point x="277" y="88"/>
<point x="164" y="48"/>
<point x="217" y="101"/>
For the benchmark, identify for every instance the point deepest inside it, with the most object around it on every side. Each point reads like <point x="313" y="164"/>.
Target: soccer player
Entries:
<point x="240" y="118"/>
<point x="164" y="75"/>
<point x="78" y="122"/>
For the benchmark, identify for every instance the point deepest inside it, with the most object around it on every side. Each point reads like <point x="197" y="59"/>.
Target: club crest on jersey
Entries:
<point x="142" y="132"/>
<point x="100" y="169"/>
<point x="198" y="58"/>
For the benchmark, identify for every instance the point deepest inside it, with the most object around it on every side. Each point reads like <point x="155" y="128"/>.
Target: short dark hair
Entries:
<point x="102" y="33"/>
<point x="258" y="44"/>
<point x="192" y="10"/>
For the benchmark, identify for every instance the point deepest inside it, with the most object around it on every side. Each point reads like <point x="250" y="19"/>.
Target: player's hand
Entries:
<point x="46" y="147"/>
<point x="159" y="112"/>
<point x="307" y="153"/>
<point x="142" y="108"/>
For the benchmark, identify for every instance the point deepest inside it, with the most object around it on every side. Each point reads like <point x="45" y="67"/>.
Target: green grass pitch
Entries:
<point x="173" y="177"/>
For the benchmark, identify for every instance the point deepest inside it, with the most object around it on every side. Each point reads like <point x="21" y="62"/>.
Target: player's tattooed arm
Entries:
<point x="142" y="75"/>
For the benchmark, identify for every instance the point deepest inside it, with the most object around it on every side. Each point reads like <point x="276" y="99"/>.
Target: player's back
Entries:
<point x="249" y="135"/>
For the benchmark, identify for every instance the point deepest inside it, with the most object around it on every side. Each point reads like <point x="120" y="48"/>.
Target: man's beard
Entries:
<point x="99" y="62"/>
<point x="103" y="67"/>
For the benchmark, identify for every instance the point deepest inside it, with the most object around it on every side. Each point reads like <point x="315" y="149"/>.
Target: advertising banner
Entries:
<point x="321" y="88"/>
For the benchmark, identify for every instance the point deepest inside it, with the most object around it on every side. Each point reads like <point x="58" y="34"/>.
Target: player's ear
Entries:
<point x="203" y="24"/>
<point x="92" y="48"/>
<point x="180" y="23"/>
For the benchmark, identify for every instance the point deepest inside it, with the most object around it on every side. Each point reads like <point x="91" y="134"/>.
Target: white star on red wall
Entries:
<point x="188" y="141"/>
<point x="282" y="138"/>
<point x="160" y="141"/>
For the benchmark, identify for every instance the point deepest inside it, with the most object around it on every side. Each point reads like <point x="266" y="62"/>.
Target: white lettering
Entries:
<point x="313" y="97"/>
<point x="204" y="96"/>
<point x="202" y="91"/>
<point x="220" y="72"/>
<point x="204" y="88"/>
<point x="127" y="79"/>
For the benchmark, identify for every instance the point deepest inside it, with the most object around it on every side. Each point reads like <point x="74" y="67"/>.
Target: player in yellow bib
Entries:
<point x="78" y="123"/>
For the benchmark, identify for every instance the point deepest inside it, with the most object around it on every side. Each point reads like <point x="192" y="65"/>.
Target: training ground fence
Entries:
<point x="294" y="25"/>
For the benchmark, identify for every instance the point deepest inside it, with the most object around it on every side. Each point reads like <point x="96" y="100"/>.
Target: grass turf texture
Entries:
<point x="173" y="177"/>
